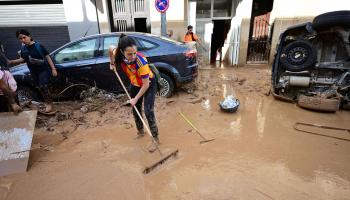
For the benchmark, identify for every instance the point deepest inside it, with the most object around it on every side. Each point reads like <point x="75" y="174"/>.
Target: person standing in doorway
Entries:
<point x="39" y="63"/>
<point x="143" y="81"/>
<point x="190" y="36"/>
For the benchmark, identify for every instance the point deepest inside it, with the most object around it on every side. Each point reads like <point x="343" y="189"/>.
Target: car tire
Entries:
<point x="319" y="104"/>
<point x="298" y="56"/>
<point x="25" y="94"/>
<point x="168" y="86"/>
<point x="330" y="19"/>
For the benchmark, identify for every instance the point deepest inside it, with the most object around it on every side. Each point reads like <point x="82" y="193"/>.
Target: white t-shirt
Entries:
<point x="8" y="78"/>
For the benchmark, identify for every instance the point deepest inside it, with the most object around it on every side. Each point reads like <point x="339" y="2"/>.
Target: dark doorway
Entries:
<point x="220" y="30"/>
<point x="259" y="32"/>
<point x="140" y="25"/>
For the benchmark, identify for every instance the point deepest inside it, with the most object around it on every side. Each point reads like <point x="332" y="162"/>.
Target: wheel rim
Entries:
<point x="166" y="87"/>
<point x="298" y="55"/>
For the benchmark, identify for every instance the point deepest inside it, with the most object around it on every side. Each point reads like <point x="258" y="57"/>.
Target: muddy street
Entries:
<point x="256" y="154"/>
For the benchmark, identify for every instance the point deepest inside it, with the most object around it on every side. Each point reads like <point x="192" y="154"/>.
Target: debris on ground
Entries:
<point x="193" y="99"/>
<point x="229" y="104"/>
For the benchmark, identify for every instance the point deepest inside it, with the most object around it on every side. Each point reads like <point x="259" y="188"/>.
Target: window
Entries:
<point x="109" y="41"/>
<point x="222" y="8"/>
<point x="78" y="51"/>
<point x="146" y="44"/>
<point x="203" y="9"/>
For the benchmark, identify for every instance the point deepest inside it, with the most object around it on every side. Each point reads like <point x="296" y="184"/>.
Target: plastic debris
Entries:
<point x="230" y="104"/>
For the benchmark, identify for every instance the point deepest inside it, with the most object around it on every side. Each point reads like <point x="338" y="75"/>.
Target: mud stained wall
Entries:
<point x="244" y="38"/>
<point x="179" y="28"/>
<point x="280" y="25"/>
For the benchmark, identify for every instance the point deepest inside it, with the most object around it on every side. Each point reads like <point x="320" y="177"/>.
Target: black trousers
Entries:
<point x="148" y="99"/>
<point x="4" y="106"/>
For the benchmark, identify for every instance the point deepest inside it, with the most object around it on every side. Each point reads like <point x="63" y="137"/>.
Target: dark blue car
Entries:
<point x="86" y="61"/>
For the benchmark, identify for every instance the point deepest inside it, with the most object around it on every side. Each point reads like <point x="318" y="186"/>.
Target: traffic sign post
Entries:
<point x="163" y="24"/>
<point x="162" y="6"/>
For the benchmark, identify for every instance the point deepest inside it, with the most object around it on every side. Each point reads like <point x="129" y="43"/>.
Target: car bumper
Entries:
<point x="192" y="75"/>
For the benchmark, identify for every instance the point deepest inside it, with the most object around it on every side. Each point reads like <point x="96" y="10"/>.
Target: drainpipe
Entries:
<point x="98" y="21"/>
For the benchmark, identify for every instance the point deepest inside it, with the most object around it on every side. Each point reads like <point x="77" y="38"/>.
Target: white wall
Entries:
<point x="102" y="11"/>
<point x="233" y="42"/>
<point x="175" y="13"/>
<point x="81" y="18"/>
<point x="306" y="8"/>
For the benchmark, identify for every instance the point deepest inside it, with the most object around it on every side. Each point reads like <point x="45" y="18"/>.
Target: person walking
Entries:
<point x="143" y="81"/>
<point x="190" y="36"/>
<point x="40" y="65"/>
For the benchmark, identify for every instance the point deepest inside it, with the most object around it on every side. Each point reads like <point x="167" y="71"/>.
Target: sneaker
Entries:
<point x="154" y="146"/>
<point x="156" y="139"/>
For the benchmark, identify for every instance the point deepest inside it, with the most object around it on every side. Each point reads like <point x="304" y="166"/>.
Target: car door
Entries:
<point x="76" y="61"/>
<point x="103" y="76"/>
<point x="146" y="47"/>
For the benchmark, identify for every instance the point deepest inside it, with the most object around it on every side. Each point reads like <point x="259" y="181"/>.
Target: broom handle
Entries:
<point x="137" y="111"/>
<point x="190" y="123"/>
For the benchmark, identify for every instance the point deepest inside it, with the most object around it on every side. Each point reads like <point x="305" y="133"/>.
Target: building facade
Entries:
<point x="238" y="32"/>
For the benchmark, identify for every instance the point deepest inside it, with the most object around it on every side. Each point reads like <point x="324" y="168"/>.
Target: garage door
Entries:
<point x="45" y="22"/>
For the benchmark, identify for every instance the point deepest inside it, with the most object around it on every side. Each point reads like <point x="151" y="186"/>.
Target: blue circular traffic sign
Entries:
<point x="162" y="5"/>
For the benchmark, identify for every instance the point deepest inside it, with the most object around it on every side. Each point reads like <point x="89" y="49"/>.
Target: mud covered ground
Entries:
<point x="89" y="151"/>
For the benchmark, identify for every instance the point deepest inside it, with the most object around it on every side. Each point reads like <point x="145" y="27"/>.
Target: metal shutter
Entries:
<point x="32" y="15"/>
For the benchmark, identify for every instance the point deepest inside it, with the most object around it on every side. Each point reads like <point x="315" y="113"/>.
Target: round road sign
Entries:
<point x="162" y="5"/>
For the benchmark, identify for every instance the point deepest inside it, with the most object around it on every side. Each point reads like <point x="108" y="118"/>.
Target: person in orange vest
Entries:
<point x="192" y="37"/>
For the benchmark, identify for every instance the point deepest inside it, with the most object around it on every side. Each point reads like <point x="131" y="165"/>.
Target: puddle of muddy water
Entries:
<point x="256" y="153"/>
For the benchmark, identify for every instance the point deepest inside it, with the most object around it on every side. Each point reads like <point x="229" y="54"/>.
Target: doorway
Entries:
<point x="218" y="37"/>
<point x="129" y="15"/>
<point x="259" y="32"/>
<point x="140" y="24"/>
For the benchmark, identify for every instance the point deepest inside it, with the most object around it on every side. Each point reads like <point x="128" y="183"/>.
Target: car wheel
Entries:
<point x="331" y="19"/>
<point x="168" y="86"/>
<point x="25" y="94"/>
<point x="298" y="56"/>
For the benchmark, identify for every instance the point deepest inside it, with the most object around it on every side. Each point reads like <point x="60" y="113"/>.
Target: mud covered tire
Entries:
<point x="25" y="94"/>
<point x="318" y="104"/>
<point x="298" y="56"/>
<point x="168" y="86"/>
<point x="331" y="19"/>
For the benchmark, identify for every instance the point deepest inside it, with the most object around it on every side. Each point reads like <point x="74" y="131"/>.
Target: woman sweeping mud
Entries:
<point x="143" y="81"/>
